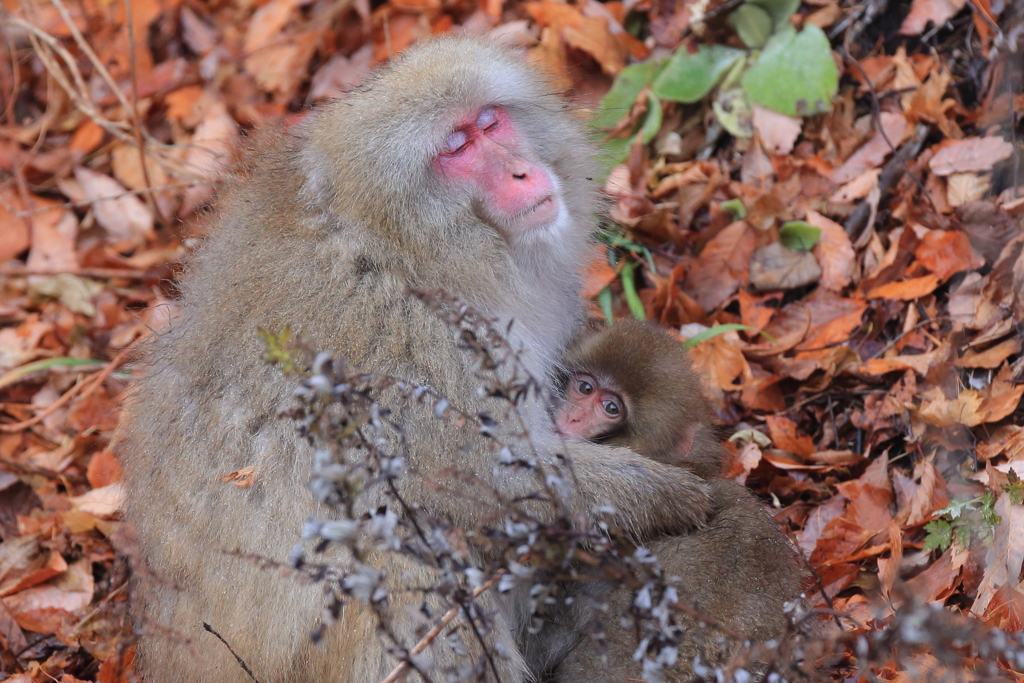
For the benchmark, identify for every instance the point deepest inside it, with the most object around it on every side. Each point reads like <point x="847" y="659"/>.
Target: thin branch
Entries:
<point x="241" y="662"/>
<point x="95" y="273"/>
<point x="82" y="388"/>
<point x="133" y="111"/>
<point x="402" y="670"/>
<point x="889" y="177"/>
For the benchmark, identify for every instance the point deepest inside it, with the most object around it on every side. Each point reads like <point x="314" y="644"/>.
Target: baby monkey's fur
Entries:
<point x="739" y="570"/>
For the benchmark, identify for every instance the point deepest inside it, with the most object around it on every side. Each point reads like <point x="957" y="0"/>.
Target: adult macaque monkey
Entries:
<point x="633" y="385"/>
<point x="455" y="168"/>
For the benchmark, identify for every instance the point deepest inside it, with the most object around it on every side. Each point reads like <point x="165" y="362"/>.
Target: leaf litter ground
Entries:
<point x="857" y="311"/>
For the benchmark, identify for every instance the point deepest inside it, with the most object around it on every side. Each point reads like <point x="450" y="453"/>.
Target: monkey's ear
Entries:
<point x="685" y="443"/>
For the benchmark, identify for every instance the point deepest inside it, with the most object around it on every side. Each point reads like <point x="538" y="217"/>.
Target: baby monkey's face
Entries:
<point x="594" y="408"/>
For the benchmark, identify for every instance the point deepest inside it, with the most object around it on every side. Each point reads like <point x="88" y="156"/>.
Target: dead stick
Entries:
<point x="98" y="273"/>
<point x="889" y="177"/>
<point x="83" y="388"/>
<point x="402" y="670"/>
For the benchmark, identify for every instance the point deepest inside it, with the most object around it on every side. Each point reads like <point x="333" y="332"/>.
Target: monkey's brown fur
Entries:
<point x="330" y="226"/>
<point x="739" y="569"/>
<point x="668" y="418"/>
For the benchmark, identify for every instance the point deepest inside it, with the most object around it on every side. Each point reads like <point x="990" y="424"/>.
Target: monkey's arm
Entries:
<point x="649" y="498"/>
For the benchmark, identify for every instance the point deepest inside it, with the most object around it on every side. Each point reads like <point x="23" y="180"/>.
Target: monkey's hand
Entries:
<point x="648" y="497"/>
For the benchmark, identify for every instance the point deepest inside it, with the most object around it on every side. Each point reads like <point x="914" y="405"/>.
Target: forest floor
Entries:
<point x="859" y="310"/>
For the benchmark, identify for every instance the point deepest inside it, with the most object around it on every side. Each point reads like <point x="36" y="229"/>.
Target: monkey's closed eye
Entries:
<point x="488" y="119"/>
<point x="456" y="142"/>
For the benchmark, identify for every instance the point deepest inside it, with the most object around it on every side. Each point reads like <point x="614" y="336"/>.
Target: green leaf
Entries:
<point x="722" y="329"/>
<point x="799" y="235"/>
<point x="652" y="122"/>
<point x="795" y="74"/>
<point x="962" y="532"/>
<point x="278" y="350"/>
<point x="636" y="306"/>
<point x="736" y="208"/>
<point x="714" y="332"/>
<point x="988" y="509"/>
<point x="623" y="94"/>
<point x="605" y="301"/>
<point x="732" y="109"/>
<point x="779" y="10"/>
<point x="689" y="77"/>
<point x="612" y="153"/>
<point x="753" y="25"/>
<point x="939" y="535"/>
<point x="12" y="376"/>
<point x="957" y="507"/>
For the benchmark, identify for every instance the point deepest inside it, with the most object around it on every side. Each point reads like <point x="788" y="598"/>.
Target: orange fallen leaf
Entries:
<point x="719" y="361"/>
<point x="594" y="37"/>
<point x="553" y="14"/>
<point x="598" y="274"/>
<point x="785" y="436"/>
<point x="991" y="357"/>
<point x="858" y="188"/>
<point x="266" y="24"/>
<point x="834" y="252"/>
<point x="1001" y="396"/>
<point x="14" y="230"/>
<point x="970" y="155"/>
<point x="43" y="608"/>
<point x="721" y="266"/>
<point x="940" y="411"/>
<point x="242" y="478"/>
<point x="1008" y="440"/>
<point x="833" y="319"/>
<point x="119" y="668"/>
<point x="945" y="252"/>
<point x="923" y="12"/>
<point x="905" y="290"/>
<point x="12" y="634"/>
<point x="929" y="495"/>
<point x="101" y="502"/>
<point x="938" y="581"/>
<point x="87" y="137"/>
<point x="103" y="469"/>
<point x="873" y="152"/>
<point x="54" y="565"/>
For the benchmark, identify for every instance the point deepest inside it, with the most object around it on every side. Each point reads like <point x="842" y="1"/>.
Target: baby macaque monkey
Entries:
<point x="632" y="385"/>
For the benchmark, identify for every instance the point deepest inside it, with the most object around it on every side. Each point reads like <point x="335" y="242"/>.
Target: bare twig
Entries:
<point x="241" y="662"/>
<point x="402" y="670"/>
<point x="96" y="273"/>
<point x="133" y="111"/>
<point x="889" y="177"/>
<point x="82" y="388"/>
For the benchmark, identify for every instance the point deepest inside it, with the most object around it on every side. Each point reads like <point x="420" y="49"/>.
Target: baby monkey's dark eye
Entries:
<point x="611" y="407"/>
<point x="584" y="387"/>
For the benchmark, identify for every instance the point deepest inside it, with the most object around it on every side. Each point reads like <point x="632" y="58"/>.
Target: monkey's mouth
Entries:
<point x="539" y="215"/>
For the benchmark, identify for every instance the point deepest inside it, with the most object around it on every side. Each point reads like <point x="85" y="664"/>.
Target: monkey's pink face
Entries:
<point x="591" y="410"/>
<point x="485" y="155"/>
